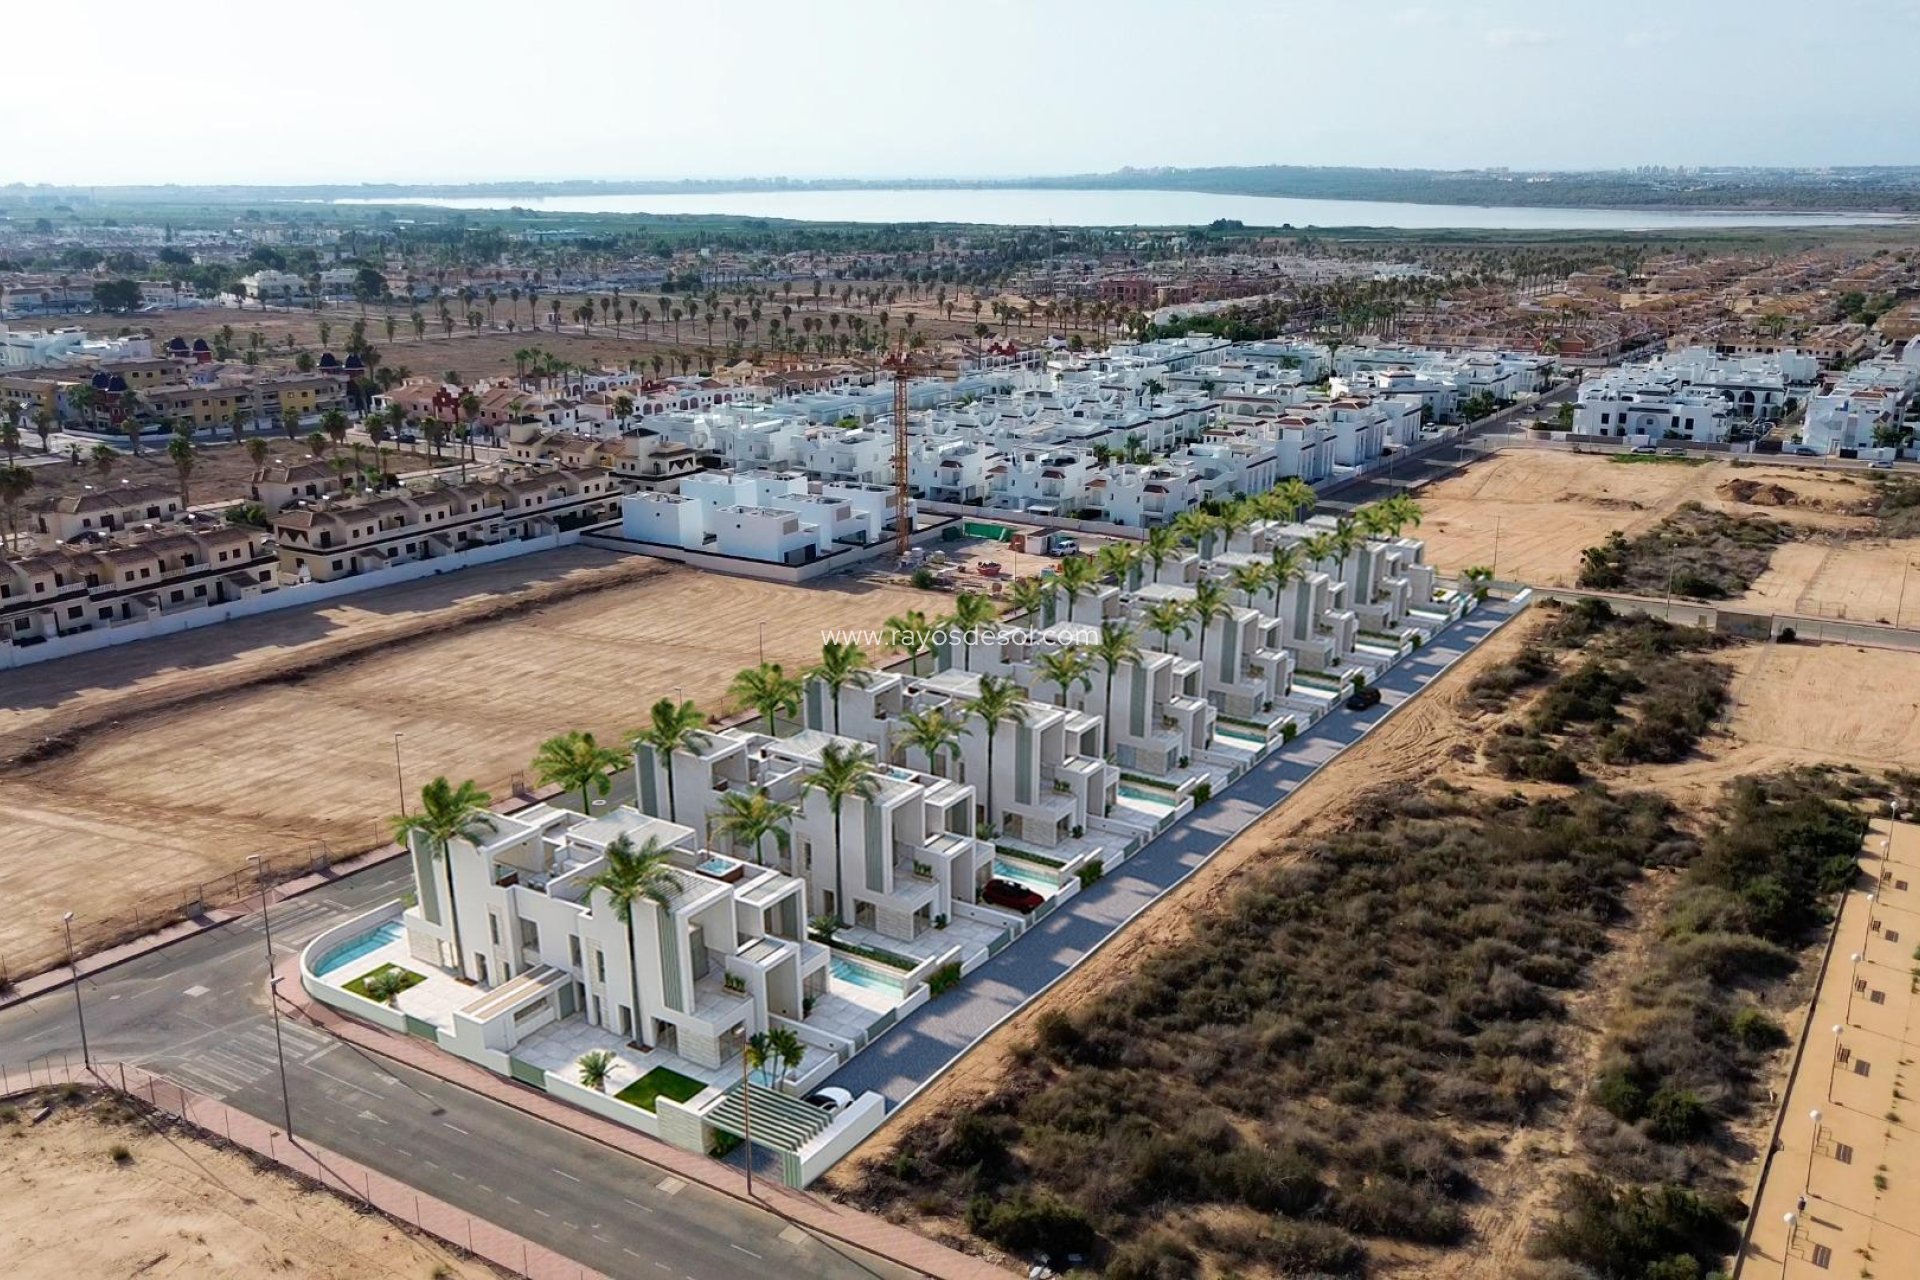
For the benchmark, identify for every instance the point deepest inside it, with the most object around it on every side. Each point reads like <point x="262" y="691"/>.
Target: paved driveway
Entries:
<point x="925" y="1044"/>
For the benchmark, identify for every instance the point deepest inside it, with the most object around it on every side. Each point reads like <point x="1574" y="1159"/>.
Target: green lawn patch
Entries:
<point x="661" y="1082"/>
<point x="407" y="978"/>
<point x="1689" y="461"/>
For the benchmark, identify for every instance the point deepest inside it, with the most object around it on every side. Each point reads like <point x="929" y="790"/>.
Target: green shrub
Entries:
<point x="119" y="1153"/>
<point x="1028" y="1223"/>
<point x="944" y="979"/>
<point x="1677" y="1115"/>
<point x="1621" y="1095"/>
<point x="1310" y="1248"/>
<point x="1090" y="872"/>
<point x="1754" y="1029"/>
<point x="1616" y="1231"/>
<point x="1158" y="1257"/>
<point x="1202" y="793"/>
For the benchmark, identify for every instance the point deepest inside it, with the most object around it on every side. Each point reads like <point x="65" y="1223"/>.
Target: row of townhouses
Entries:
<point x="830" y="924"/>
<point x="1867" y="405"/>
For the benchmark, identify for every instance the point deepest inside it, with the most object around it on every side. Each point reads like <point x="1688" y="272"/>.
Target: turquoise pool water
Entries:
<point x="361" y="947"/>
<point x="1020" y="875"/>
<point x="1161" y="798"/>
<point x="861" y="976"/>
<point x="1238" y="735"/>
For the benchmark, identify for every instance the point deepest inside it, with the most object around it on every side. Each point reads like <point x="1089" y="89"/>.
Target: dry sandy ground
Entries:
<point x="181" y="795"/>
<point x="1537" y="509"/>
<point x="180" y="1209"/>
<point x="1795" y="704"/>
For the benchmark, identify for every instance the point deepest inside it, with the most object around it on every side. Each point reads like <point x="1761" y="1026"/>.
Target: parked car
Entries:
<point x="832" y="1099"/>
<point x="407" y="437"/>
<point x="1643" y="448"/>
<point x="1016" y="897"/>
<point x="1361" y="699"/>
<point x="1879" y="464"/>
<point x="1806" y="452"/>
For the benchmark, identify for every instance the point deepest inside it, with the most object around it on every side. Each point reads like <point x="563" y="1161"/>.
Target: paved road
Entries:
<point x="924" y="1044"/>
<point x="196" y="1012"/>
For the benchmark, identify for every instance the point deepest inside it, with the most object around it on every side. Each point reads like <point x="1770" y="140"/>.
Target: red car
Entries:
<point x="1005" y="893"/>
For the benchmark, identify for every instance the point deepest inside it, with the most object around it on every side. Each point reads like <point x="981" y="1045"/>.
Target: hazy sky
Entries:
<point x="111" y="91"/>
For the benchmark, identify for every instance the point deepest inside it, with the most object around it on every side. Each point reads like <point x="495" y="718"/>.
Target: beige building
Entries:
<point x="107" y="510"/>
<point x="84" y="587"/>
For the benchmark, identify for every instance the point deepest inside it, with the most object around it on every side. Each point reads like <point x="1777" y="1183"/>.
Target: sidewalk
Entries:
<point x="835" y="1222"/>
<point x="396" y="1199"/>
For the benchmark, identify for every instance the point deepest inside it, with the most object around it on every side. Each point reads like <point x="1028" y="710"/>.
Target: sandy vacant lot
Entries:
<point x="1530" y="512"/>
<point x="181" y="1208"/>
<point x="131" y="806"/>
<point x="1794" y="704"/>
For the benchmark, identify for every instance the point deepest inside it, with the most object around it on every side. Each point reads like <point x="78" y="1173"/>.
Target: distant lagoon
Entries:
<point x="1021" y="206"/>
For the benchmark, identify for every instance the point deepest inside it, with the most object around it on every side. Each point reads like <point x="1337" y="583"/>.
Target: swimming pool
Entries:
<point x="1238" y="735"/>
<point x="1020" y="875"/>
<point x="1165" y="799"/>
<point x="361" y="947"/>
<point x="861" y="975"/>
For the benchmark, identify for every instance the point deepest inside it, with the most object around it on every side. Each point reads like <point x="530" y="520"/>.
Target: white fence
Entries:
<point x="291" y="597"/>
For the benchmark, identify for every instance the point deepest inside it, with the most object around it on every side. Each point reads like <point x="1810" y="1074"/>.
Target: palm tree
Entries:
<point x="842" y="663"/>
<point x="1118" y="560"/>
<point x="785" y="1044"/>
<point x="844" y="773"/>
<point x="1164" y="617"/>
<point x="104" y="457"/>
<point x="1478" y="579"/>
<point x="576" y="762"/>
<point x="595" y="1065"/>
<point x="1065" y="667"/>
<point x="1115" y="646"/>
<point x="1283" y="566"/>
<point x="1294" y="495"/>
<point x="1318" y="548"/>
<point x="998" y="702"/>
<point x="912" y="632"/>
<point x="931" y="732"/>
<point x="629" y="877"/>
<point x="15" y="481"/>
<point x="971" y="612"/>
<point x="1033" y="596"/>
<point x="1162" y="544"/>
<point x="1197" y="527"/>
<point x="1077" y="575"/>
<point x="1250" y="580"/>
<point x="674" y="726"/>
<point x="180" y="449"/>
<point x="1209" y="602"/>
<point x="757" y="1054"/>
<point x="767" y="689"/>
<point x="749" y="817"/>
<point x="447" y="813"/>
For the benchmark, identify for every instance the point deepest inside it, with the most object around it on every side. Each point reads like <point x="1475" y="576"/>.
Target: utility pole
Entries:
<point x="273" y="991"/>
<point x="79" y="1009"/>
<point x="399" y="778"/>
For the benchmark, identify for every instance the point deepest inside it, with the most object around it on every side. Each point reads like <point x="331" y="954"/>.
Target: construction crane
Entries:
<point x="901" y="363"/>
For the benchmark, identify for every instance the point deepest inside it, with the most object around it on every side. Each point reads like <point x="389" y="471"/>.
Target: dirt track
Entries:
<point x="133" y="806"/>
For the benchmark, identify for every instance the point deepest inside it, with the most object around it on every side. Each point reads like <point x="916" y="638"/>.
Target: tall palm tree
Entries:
<point x="931" y="731"/>
<point x="1284" y="564"/>
<point x="844" y="773"/>
<point x="15" y="481"/>
<point x="1162" y="544"/>
<point x="998" y="702"/>
<point x="842" y="663"/>
<point x="971" y="612"/>
<point x="180" y="450"/>
<point x="749" y="817"/>
<point x="1197" y="527"/>
<point x="767" y="689"/>
<point x="1209" y="602"/>
<point x="672" y="726"/>
<point x="1118" y="560"/>
<point x="1250" y="580"/>
<point x="577" y="763"/>
<point x="1033" y="596"/>
<point x="447" y="813"/>
<point x="1077" y="574"/>
<point x="785" y="1044"/>
<point x="912" y="632"/>
<point x="1294" y="495"/>
<point x="1115" y="646"/>
<point x="1164" y="617"/>
<point x="1318" y="548"/>
<point x="1066" y="667"/>
<point x="629" y="877"/>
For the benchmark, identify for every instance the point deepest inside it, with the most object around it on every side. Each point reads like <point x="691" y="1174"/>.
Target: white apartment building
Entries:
<point x="34" y="348"/>
<point x="1871" y="397"/>
<point x="779" y="517"/>
<point x="1646" y="407"/>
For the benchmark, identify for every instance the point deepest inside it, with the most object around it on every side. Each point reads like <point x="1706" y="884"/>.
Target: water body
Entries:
<point x="1010" y="206"/>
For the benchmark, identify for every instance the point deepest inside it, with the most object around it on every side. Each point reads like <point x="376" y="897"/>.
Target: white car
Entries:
<point x="832" y="1100"/>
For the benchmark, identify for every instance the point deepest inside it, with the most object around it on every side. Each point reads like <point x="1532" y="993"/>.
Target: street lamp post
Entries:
<point x="79" y="1007"/>
<point x="273" y="992"/>
<point x="1807" y="1185"/>
<point x="399" y="777"/>
<point x="1833" y="1068"/>
<point x="746" y="1115"/>
<point x="1853" y="984"/>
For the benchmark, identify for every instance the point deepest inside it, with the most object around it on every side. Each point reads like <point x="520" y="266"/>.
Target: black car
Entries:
<point x="1361" y="699"/>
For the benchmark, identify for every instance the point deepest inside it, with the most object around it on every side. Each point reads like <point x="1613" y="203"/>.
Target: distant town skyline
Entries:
<point x="596" y="89"/>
